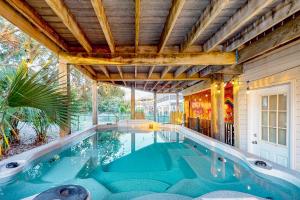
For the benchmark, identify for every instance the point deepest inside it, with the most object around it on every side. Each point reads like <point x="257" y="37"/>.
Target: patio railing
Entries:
<point x="229" y="133"/>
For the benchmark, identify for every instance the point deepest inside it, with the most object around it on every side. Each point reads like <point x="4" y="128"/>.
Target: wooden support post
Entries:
<point x="95" y="102"/>
<point x="154" y="105"/>
<point x="132" y="102"/>
<point x="64" y="74"/>
<point x="177" y="101"/>
<point x="217" y="107"/>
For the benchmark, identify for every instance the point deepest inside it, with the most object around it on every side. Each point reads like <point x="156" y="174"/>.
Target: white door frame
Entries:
<point x="291" y="119"/>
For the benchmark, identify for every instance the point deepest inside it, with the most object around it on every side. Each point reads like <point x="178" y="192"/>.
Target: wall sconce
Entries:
<point x="248" y="87"/>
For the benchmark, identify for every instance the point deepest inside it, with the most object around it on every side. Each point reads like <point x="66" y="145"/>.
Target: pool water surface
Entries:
<point x="122" y="165"/>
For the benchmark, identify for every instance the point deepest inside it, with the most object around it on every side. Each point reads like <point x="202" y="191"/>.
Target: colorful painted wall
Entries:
<point x="199" y="104"/>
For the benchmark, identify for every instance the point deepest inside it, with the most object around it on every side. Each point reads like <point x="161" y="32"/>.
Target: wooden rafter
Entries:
<point x="85" y="71"/>
<point x="155" y="85"/>
<point x="27" y="11"/>
<point x="121" y="76"/>
<point x="273" y="17"/>
<point x="61" y="10"/>
<point x="22" y="23"/>
<point x="165" y="71"/>
<point x="137" y="23"/>
<point x="100" y="13"/>
<point x="90" y="69"/>
<point x="163" y="87"/>
<point x="238" y="20"/>
<point x="180" y="70"/>
<point x="104" y="70"/>
<point x="282" y="35"/>
<point x="203" y="58"/>
<point x="210" y="70"/>
<point x="195" y="70"/>
<point x="207" y="18"/>
<point x="170" y="23"/>
<point x="173" y="86"/>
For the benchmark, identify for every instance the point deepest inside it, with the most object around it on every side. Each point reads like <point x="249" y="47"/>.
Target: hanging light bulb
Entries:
<point x="248" y="87"/>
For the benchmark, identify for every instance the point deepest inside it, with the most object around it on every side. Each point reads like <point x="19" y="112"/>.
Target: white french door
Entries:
<point x="268" y="123"/>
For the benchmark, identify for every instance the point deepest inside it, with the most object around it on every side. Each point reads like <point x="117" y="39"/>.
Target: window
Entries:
<point x="274" y="119"/>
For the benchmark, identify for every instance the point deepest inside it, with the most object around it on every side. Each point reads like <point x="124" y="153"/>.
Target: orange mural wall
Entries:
<point x="199" y="104"/>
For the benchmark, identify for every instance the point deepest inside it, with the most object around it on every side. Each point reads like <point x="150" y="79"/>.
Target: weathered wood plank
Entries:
<point x="203" y="58"/>
<point x="61" y="10"/>
<point x="273" y="17"/>
<point x="137" y="23"/>
<point x="100" y="13"/>
<point x="238" y="20"/>
<point x="165" y="71"/>
<point x="22" y="23"/>
<point x="180" y="70"/>
<point x="104" y="70"/>
<point x="144" y="76"/>
<point x="195" y="70"/>
<point x="207" y="18"/>
<point x="27" y="11"/>
<point x="283" y="34"/>
<point x="170" y="23"/>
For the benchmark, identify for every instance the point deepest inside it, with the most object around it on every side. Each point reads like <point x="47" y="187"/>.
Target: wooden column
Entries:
<point x="64" y="74"/>
<point x="95" y="102"/>
<point x="217" y="107"/>
<point x="177" y="101"/>
<point x="154" y="105"/>
<point x="132" y="102"/>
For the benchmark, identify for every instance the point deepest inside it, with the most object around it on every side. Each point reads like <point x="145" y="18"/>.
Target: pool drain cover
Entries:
<point x="12" y="165"/>
<point x="64" y="192"/>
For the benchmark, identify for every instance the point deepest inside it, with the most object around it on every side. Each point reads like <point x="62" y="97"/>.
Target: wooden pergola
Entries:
<point x="158" y="45"/>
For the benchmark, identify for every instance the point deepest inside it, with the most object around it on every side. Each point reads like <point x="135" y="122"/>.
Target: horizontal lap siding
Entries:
<point x="280" y="66"/>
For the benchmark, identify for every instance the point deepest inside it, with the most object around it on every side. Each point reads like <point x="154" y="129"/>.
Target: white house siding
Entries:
<point x="280" y="66"/>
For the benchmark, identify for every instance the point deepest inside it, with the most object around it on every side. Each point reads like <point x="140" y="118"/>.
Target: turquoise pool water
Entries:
<point x="118" y="165"/>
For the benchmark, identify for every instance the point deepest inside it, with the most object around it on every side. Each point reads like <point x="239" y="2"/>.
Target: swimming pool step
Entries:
<point x="176" y="154"/>
<point x="150" y="158"/>
<point x="97" y="190"/>
<point x="65" y="169"/>
<point x="219" y="173"/>
<point x="163" y="196"/>
<point x="169" y="176"/>
<point x="189" y="187"/>
<point x="127" y="195"/>
<point x="137" y="185"/>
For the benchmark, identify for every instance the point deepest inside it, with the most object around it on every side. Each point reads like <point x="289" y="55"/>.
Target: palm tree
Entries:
<point x="37" y="91"/>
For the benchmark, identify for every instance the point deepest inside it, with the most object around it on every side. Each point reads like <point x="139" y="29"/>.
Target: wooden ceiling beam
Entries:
<point x="144" y="77"/>
<point x="237" y="21"/>
<point x="170" y="23"/>
<point x="104" y="70"/>
<point x="180" y="70"/>
<point x="165" y="71"/>
<point x="270" y="19"/>
<point x="283" y="34"/>
<point x="90" y="69"/>
<point x="155" y="85"/>
<point x="206" y="19"/>
<point x="151" y="71"/>
<point x="163" y="87"/>
<point x="61" y="10"/>
<point x="100" y="13"/>
<point x="203" y="58"/>
<point x="28" y="12"/>
<point x="195" y="70"/>
<point x="137" y="23"/>
<point x="85" y="71"/>
<point x="22" y="23"/>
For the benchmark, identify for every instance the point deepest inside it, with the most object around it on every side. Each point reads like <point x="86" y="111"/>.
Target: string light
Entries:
<point x="248" y="88"/>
